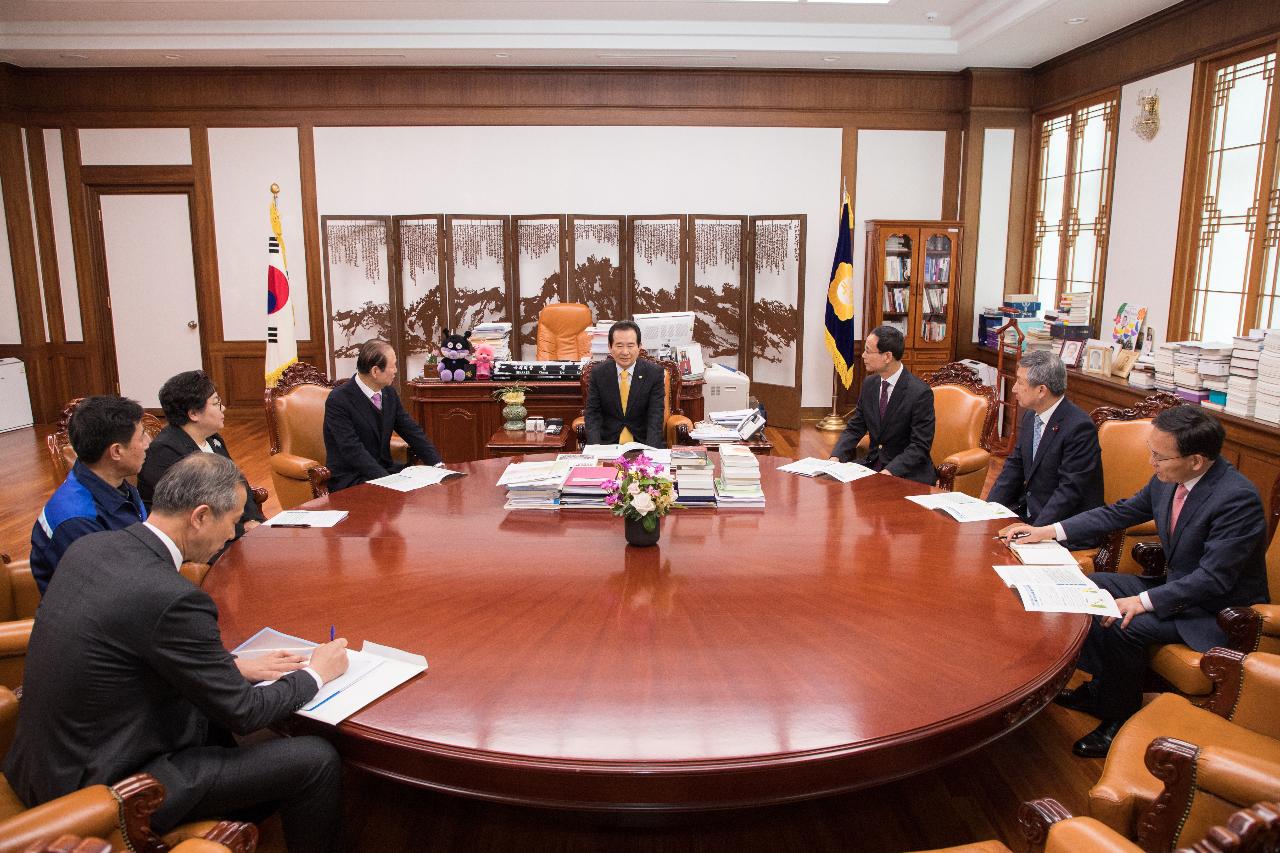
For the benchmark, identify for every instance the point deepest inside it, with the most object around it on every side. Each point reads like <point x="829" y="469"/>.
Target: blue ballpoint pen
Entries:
<point x="331" y="633"/>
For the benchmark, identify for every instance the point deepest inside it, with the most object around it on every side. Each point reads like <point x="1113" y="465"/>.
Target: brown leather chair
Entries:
<point x="225" y="837"/>
<point x="1240" y="715"/>
<point x="1047" y="826"/>
<point x="295" y="428"/>
<point x="965" y="412"/>
<point x="1126" y="468"/>
<point x="64" y="455"/>
<point x="19" y="598"/>
<point x="677" y="426"/>
<point x="562" y="332"/>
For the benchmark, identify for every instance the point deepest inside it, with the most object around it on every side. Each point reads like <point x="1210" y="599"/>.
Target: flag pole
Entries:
<point x="832" y="422"/>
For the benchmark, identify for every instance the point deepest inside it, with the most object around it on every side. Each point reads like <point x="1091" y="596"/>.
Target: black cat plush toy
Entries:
<point x="455" y="358"/>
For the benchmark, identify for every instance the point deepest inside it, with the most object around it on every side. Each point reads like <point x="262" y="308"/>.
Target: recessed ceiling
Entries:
<point x="919" y="35"/>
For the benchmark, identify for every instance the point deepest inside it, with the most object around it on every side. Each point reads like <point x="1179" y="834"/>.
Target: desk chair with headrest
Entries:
<point x="562" y="332"/>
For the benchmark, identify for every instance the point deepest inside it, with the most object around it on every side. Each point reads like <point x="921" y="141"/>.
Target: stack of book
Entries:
<point x="1186" y="373"/>
<point x="1243" y="382"/>
<point x="1022" y="304"/>
<point x="1214" y="367"/>
<point x="1037" y="337"/>
<point x="1165" y="358"/>
<point x="496" y="335"/>
<point x="583" y="488"/>
<point x="1267" y="405"/>
<point x="600" y="340"/>
<point x="1143" y="375"/>
<point x="696" y="486"/>
<point x="533" y="485"/>
<point x="739" y="482"/>
<point x="1073" y="307"/>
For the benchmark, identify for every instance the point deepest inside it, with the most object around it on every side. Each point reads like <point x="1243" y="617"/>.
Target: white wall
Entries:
<point x="992" y="233"/>
<point x="1146" y="200"/>
<point x="63" y="244"/>
<point x="10" y="332"/>
<point x="244" y="163"/>
<point x="899" y="177"/>
<point x="603" y="170"/>
<point x="144" y="146"/>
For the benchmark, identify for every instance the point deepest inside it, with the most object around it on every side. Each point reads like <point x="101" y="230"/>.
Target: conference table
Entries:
<point x="840" y="638"/>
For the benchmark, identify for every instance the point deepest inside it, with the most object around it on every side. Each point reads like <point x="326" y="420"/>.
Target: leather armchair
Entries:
<point x="1122" y="435"/>
<point x="677" y="426"/>
<point x="19" y="598"/>
<point x="1240" y="715"/>
<point x="562" y="332"/>
<point x="224" y="837"/>
<point x="965" y="411"/>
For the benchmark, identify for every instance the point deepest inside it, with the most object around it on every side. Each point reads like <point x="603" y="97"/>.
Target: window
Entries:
<point x="1233" y="246"/>
<point x="1073" y="200"/>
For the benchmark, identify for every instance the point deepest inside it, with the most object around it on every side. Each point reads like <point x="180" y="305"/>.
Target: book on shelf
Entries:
<point x="897" y="268"/>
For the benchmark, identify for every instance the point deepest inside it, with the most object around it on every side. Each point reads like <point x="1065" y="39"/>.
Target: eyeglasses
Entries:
<point x="1157" y="458"/>
<point x="216" y="402"/>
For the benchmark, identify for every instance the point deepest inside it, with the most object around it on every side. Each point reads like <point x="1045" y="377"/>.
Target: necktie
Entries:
<point x="884" y="397"/>
<point x="624" y="391"/>
<point x="1036" y="432"/>
<point x="377" y="400"/>
<point x="1179" y="498"/>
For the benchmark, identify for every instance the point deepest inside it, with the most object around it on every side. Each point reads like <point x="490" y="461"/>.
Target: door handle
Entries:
<point x="191" y="324"/>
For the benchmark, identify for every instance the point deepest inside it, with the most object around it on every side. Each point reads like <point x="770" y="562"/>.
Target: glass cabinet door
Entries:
<point x="896" y="296"/>
<point x="935" y="290"/>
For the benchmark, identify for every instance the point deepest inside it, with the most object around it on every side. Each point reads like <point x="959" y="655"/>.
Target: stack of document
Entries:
<point x="690" y="457"/>
<point x="696" y="486"/>
<point x="496" y="335"/>
<point x="416" y="477"/>
<point x="600" y="339"/>
<point x="845" y="472"/>
<point x="1243" y="381"/>
<point x="371" y="672"/>
<point x="1267" y="401"/>
<point x="533" y="485"/>
<point x="728" y="426"/>
<point x="739" y="483"/>
<point x="1057" y="589"/>
<point x="1042" y="554"/>
<point x="583" y="489"/>
<point x="962" y="507"/>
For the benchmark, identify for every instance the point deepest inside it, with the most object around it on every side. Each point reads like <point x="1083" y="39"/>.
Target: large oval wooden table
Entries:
<point x="840" y="638"/>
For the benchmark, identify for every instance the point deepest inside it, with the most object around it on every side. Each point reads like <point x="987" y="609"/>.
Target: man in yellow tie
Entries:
<point x="624" y="397"/>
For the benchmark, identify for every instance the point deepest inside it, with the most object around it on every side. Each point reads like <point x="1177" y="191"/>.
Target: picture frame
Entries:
<point x="1071" y="352"/>
<point x="1122" y="364"/>
<point x="1098" y="359"/>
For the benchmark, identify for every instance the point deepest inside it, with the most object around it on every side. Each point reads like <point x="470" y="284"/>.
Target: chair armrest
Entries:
<point x="8" y="718"/>
<point x="194" y="572"/>
<point x="968" y="461"/>
<point x="14" y="637"/>
<point x="97" y="811"/>
<point x="947" y="472"/>
<point x="23" y="589"/>
<point x="1087" y="835"/>
<point x="1270" y="614"/>
<point x="293" y="467"/>
<point x="683" y="439"/>
<point x="1037" y="817"/>
<point x="259" y="495"/>
<point x="1149" y="555"/>
<point x="219" y="837"/>
<point x="671" y="429"/>
<point x="1237" y="776"/>
<point x="1246" y="689"/>
<point x="318" y="476"/>
<point x="1243" y="627"/>
<point x="579" y="428"/>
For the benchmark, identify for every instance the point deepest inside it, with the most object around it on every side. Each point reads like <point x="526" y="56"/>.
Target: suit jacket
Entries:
<point x="902" y="443"/>
<point x="173" y="444"/>
<point x="1216" y="557"/>
<point x="1065" y="476"/>
<point x="603" y="408"/>
<point x="357" y="437"/>
<point x="125" y="671"/>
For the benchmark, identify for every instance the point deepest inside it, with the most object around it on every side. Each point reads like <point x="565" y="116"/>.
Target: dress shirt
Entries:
<point x="891" y="380"/>
<point x="1142" y="596"/>
<point x="368" y="392"/>
<point x="176" y="555"/>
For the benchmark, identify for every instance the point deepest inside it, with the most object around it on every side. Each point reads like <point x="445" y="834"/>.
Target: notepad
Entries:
<point x="1042" y="553"/>
<point x="963" y="507"/>
<point x="306" y="518"/>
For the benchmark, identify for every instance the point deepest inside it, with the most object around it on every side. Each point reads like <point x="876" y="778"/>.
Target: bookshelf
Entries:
<point x="912" y="267"/>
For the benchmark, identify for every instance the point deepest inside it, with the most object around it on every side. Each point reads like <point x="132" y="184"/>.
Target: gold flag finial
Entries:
<point x="275" y="225"/>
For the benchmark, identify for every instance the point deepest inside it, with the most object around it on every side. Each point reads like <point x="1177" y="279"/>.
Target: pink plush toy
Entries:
<point x="483" y="359"/>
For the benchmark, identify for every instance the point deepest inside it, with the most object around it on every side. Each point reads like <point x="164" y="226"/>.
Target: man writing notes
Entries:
<point x="1055" y="470"/>
<point x="360" y="416"/>
<point x="625" y="394"/>
<point x="127" y="673"/>
<point x="1214" y="534"/>
<point x="896" y="409"/>
<point x="106" y="434"/>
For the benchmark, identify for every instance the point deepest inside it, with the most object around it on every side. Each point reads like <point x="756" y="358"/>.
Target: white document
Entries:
<point x="610" y="452"/>
<point x="306" y="518"/>
<point x="845" y="472"/>
<point x="1042" y="553"/>
<point x="962" y="507"/>
<point x="551" y="474"/>
<point x="1062" y="575"/>
<point x="416" y="477"/>
<point x="1055" y="598"/>
<point x="575" y="460"/>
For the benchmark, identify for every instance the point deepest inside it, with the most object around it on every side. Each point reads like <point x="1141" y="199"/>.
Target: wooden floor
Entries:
<point x="971" y="799"/>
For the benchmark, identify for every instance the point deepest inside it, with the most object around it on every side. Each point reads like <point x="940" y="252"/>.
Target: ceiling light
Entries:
<point x="830" y="59"/>
<point x="1074" y="21"/>
<point x="664" y="56"/>
<point x="172" y="56"/>
<point x="502" y="55"/>
<point x="72" y="56"/>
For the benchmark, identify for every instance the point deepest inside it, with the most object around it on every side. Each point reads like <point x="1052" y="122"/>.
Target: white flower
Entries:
<point x="642" y="503"/>
<point x="633" y="489"/>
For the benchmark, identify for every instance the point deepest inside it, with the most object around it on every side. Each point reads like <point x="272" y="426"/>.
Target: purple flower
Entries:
<point x="610" y="500"/>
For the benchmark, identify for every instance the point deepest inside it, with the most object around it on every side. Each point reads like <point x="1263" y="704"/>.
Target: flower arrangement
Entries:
<point x="641" y="492"/>
<point x="513" y="393"/>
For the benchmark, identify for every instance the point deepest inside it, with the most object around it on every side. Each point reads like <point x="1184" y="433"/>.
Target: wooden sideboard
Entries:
<point x="459" y="417"/>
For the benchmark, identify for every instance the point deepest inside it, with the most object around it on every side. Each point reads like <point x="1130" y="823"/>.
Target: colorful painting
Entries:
<point x="1127" y="329"/>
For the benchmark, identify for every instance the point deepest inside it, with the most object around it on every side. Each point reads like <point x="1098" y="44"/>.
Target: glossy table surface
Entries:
<point x="839" y="638"/>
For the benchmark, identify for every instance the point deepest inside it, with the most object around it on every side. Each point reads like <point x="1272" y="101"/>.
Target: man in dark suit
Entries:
<point x="896" y="409"/>
<point x="1214" y="534"/>
<point x="625" y="394"/>
<point x="360" y="416"/>
<point x="196" y="416"/>
<point x="126" y="673"/>
<point x="1055" y="470"/>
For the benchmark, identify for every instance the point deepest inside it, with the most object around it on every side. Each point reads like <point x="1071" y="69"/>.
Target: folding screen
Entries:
<point x="357" y="266"/>
<point x="776" y="300"/>
<point x="478" y="290"/>
<point x="595" y="266"/>
<point x="656" y="248"/>
<point x="718" y="274"/>
<point x="423" y="309"/>
<point x="539" y="270"/>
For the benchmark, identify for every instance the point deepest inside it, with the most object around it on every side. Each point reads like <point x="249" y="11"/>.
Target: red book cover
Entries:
<point x="590" y="477"/>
